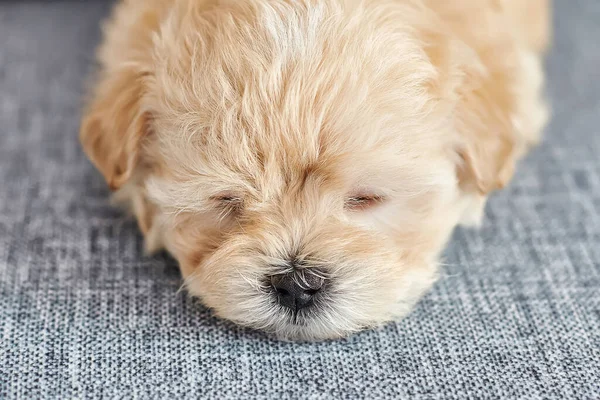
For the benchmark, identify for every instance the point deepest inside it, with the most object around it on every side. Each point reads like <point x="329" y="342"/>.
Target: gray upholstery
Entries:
<point x="83" y="314"/>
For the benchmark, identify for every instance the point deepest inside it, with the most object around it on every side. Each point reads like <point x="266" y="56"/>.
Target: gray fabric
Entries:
<point x="83" y="314"/>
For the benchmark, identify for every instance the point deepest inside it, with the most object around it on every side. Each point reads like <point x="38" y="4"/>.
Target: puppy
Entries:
<point x="306" y="161"/>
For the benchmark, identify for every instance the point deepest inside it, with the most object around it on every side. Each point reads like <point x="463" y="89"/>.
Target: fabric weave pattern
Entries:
<point x="83" y="314"/>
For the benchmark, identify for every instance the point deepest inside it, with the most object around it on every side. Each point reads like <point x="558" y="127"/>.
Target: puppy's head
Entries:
<point x="304" y="164"/>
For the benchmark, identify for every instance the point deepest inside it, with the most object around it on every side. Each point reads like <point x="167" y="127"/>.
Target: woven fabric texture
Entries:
<point x="84" y="314"/>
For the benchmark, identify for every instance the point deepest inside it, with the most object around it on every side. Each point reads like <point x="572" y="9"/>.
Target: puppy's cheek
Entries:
<point x="224" y="282"/>
<point x="190" y="271"/>
<point x="198" y="281"/>
<point x="412" y="285"/>
<point x="378" y="295"/>
<point x="190" y="245"/>
<point x="474" y="211"/>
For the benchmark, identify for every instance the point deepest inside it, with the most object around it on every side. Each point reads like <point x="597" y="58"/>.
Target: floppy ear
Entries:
<point x="487" y="143"/>
<point x="484" y="104"/>
<point x="114" y="126"/>
<point x="477" y="74"/>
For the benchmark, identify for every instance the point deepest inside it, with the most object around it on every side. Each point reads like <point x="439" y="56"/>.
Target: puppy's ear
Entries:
<point x="487" y="144"/>
<point x="114" y="126"/>
<point x="481" y="94"/>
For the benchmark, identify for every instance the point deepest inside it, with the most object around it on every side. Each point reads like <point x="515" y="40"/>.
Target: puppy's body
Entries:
<point x="306" y="161"/>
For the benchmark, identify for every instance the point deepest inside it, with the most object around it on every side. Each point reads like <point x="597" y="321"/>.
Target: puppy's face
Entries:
<point x="308" y="239"/>
<point x="306" y="174"/>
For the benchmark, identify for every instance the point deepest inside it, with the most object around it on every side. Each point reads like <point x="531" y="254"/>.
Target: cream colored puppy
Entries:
<point x="305" y="161"/>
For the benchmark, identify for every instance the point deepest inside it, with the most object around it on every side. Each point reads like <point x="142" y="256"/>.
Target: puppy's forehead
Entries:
<point x="259" y="94"/>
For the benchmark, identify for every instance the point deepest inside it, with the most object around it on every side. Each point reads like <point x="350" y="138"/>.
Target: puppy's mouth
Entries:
<point x="309" y="302"/>
<point x="300" y="304"/>
<point x="300" y="317"/>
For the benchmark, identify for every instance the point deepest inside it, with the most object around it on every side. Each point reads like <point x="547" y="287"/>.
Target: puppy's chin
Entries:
<point x="353" y="294"/>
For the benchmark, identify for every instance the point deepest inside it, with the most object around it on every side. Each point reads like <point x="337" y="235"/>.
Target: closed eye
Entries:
<point x="227" y="199"/>
<point x="363" y="202"/>
<point x="228" y="203"/>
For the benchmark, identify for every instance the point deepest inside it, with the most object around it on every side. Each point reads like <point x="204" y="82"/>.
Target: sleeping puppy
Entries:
<point x="306" y="161"/>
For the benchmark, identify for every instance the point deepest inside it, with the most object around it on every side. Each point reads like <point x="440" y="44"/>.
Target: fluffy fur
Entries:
<point x="351" y="136"/>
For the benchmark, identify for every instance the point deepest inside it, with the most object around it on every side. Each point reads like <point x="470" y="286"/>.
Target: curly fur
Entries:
<point x="237" y="130"/>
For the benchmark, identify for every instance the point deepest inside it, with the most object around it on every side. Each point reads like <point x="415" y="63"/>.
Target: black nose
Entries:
<point x="296" y="290"/>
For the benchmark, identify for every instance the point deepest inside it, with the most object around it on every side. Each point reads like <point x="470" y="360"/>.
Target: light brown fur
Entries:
<point x="237" y="130"/>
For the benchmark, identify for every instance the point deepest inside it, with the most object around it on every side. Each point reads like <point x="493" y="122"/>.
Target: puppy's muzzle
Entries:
<point x="296" y="289"/>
